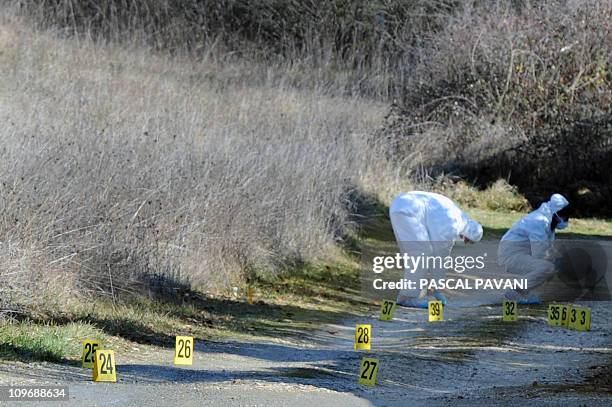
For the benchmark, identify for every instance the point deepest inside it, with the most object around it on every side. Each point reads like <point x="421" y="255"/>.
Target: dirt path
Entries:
<point x="470" y="359"/>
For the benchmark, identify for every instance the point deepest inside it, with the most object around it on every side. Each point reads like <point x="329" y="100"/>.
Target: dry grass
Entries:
<point x="500" y="196"/>
<point x="122" y="169"/>
<point x="363" y="47"/>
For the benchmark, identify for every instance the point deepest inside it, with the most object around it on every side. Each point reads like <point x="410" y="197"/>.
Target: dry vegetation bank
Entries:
<point x="121" y="170"/>
<point x="145" y="142"/>
<point x="523" y="94"/>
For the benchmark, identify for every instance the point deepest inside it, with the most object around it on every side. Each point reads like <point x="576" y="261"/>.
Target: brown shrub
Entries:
<point x="517" y="93"/>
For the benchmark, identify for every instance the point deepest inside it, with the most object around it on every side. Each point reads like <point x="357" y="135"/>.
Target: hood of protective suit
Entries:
<point x="536" y="225"/>
<point x="472" y="230"/>
<point x="548" y="209"/>
<point x="557" y="202"/>
<point x="534" y="228"/>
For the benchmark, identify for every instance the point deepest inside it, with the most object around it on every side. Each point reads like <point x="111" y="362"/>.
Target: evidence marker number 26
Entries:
<point x="183" y="353"/>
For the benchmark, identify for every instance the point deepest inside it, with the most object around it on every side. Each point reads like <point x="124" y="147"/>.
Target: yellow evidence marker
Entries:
<point x="509" y="311"/>
<point x="104" y="366"/>
<point x="183" y="354"/>
<point x="436" y="311"/>
<point x="368" y="371"/>
<point x="580" y="318"/>
<point x="557" y="315"/>
<point x="565" y="309"/>
<point x="387" y="309"/>
<point x="89" y="349"/>
<point x="363" y="337"/>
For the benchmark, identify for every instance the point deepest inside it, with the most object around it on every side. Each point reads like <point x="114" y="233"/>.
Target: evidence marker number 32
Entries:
<point x="509" y="310"/>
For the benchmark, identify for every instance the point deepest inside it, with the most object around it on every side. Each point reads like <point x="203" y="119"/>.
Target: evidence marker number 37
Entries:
<point x="387" y="309"/>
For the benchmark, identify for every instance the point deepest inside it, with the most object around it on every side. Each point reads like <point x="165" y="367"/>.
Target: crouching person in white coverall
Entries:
<point x="425" y="223"/>
<point x="527" y="248"/>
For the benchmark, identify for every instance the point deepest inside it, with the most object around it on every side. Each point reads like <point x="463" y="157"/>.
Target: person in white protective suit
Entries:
<point x="428" y="223"/>
<point x="527" y="247"/>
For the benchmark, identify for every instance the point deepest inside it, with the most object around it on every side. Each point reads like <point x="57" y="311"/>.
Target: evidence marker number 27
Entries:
<point x="368" y="370"/>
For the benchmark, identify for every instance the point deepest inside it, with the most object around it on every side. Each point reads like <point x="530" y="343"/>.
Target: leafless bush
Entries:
<point x="521" y="92"/>
<point x="118" y="167"/>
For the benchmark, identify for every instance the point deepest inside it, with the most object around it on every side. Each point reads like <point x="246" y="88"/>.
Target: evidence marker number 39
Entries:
<point x="436" y="311"/>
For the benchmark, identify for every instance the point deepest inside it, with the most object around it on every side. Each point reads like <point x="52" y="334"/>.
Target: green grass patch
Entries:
<point x="496" y="223"/>
<point x="285" y="306"/>
<point x="28" y="340"/>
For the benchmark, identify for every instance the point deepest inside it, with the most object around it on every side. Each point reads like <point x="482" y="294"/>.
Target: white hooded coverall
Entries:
<point x="527" y="248"/>
<point x="426" y="223"/>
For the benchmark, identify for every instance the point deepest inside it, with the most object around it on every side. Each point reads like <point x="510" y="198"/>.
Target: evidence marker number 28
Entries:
<point x="363" y="337"/>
